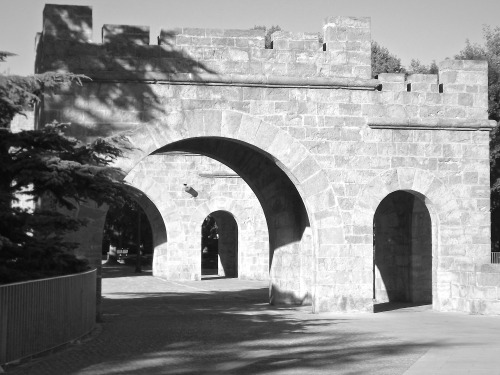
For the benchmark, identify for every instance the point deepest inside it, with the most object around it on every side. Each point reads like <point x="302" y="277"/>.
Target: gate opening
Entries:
<point x="402" y="252"/>
<point x="290" y="242"/>
<point x="219" y="245"/>
<point x="127" y="232"/>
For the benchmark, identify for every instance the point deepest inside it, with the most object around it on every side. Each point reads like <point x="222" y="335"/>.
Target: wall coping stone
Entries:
<point x="417" y="123"/>
<point x="219" y="175"/>
<point x="236" y="80"/>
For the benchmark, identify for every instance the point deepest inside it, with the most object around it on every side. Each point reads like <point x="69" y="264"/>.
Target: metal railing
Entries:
<point x="495" y="257"/>
<point x="39" y="315"/>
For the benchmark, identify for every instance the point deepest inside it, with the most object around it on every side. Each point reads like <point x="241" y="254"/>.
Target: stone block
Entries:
<point x="462" y="75"/>
<point x="67" y="22"/>
<point x="315" y="184"/>
<point x="193" y="121"/>
<point x="348" y="22"/>
<point x="491" y="308"/>
<point x="466" y="100"/>
<point x="231" y="122"/>
<point x="126" y="34"/>
<point x="392" y="78"/>
<point x="212" y="121"/>
<point x="248" y="128"/>
<point x="488" y="279"/>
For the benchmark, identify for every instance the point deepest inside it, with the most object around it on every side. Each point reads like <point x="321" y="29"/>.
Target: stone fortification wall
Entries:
<point x="345" y="52"/>
<point x="344" y="141"/>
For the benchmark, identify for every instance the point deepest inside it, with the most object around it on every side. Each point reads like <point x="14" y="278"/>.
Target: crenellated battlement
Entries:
<point x="345" y="51"/>
<point x="131" y="35"/>
<point x="340" y="58"/>
<point x="286" y="40"/>
<point x="458" y="91"/>
<point x="230" y="38"/>
<point x="342" y="51"/>
<point x="455" y="76"/>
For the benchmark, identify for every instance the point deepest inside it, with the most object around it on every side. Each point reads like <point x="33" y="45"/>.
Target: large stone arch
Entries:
<point x="443" y="208"/>
<point x="291" y="157"/>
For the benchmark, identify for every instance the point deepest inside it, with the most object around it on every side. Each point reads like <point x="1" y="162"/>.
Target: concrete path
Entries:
<point x="225" y="326"/>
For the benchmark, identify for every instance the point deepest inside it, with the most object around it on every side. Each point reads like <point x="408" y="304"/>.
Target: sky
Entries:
<point x="424" y="29"/>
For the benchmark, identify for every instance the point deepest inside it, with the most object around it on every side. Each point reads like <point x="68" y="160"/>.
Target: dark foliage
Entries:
<point x="490" y="51"/>
<point x="56" y="172"/>
<point x="384" y="62"/>
<point x="416" y="67"/>
<point x="125" y="230"/>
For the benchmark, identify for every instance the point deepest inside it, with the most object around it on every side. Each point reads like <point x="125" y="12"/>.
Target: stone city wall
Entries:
<point x="344" y="141"/>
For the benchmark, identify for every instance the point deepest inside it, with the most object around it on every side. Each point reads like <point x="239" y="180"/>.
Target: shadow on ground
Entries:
<point x="405" y="306"/>
<point x="121" y="270"/>
<point x="152" y="326"/>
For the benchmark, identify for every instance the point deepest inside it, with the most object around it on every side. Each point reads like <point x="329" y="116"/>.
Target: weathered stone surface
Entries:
<point x="317" y="142"/>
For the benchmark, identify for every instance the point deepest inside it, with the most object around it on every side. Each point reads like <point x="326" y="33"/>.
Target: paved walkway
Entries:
<point x="225" y="326"/>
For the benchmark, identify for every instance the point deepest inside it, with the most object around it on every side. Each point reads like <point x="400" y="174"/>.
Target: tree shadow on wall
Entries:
<point x="129" y="89"/>
<point x="225" y="332"/>
<point x="121" y="94"/>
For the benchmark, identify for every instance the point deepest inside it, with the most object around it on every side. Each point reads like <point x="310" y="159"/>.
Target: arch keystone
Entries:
<point x="265" y="136"/>
<point x="193" y="122"/>
<point x="231" y="122"/>
<point x="212" y="121"/>
<point x="422" y="181"/>
<point x="406" y="177"/>
<point x="249" y="127"/>
<point x="390" y="179"/>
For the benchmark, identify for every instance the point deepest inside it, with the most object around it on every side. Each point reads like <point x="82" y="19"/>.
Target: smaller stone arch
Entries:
<point x="402" y="248"/>
<point x="443" y="208"/>
<point x="252" y="258"/>
<point x="226" y="243"/>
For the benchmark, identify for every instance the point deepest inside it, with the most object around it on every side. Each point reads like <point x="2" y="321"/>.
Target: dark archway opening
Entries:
<point x="128" y="236"/>
<point x="402" y="252"/>
<point x="227" y="243"/>
<point x="209" y="246"/>
<point x="219" y="245"/>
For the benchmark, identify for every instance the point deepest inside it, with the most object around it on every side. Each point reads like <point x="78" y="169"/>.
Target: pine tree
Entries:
<point x="55" y="171"/>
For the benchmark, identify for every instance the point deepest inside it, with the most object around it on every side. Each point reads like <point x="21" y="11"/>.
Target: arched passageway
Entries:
<point x="136" y="225"/>
<point x="402" y="250"/>
<point x="290" y="249"/>
<point x="219" y="245"/>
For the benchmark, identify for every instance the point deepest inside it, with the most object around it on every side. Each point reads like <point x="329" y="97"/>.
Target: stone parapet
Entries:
<point x="68" y="22"/>
<point x="345" y="52"/>
<point x="238" y="57"/>
<point x="286" y="40"/>
<point x="128" y="35"/>
<point x="231" y="38"/>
